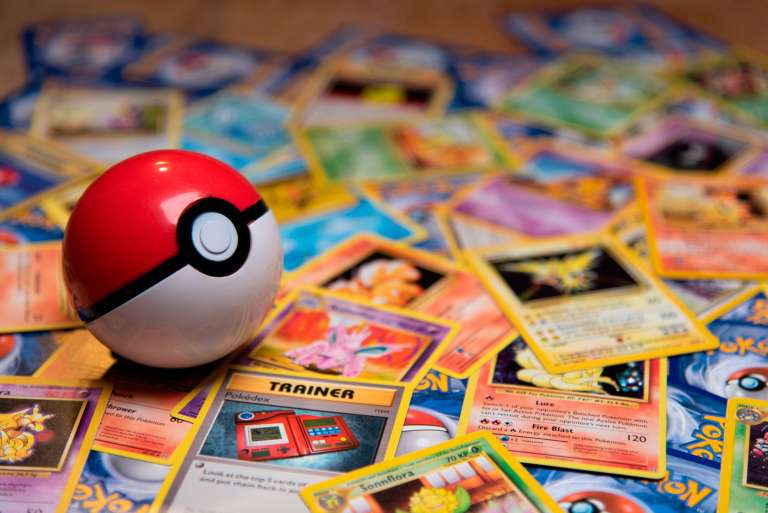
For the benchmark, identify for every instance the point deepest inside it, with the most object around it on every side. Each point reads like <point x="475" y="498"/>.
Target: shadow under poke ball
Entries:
<point x="172" y="258"/>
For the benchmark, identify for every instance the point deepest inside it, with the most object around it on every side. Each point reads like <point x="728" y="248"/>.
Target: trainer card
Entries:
<point x="595" y="96"/>
<point x="94" y="47"/>
<point x="743" y="474"/>
<point x="109" y="125"/>
<point x="388" y="273"/>
<point x="318" y="332"/>
<point x="688" y="486"/>
<point x="605" y="419"/>
<point x="343" y="93"/>
<point x="31" y="166"/>
<point x="559" y="190"/>
<point x="138" y="422"/>
<point x="395" y="150"/>
<point x="263" y="436"/>
<point x="736" y="80"/>
<point x="706" y="228"/>
<point x="586" y="301"/>
<point x="470" y="473"/>
<point x="46" y="431"/>
<point x="198" y="67"/>
<point x="33" y="294"/>
<point x="681" y="145"/>
<point x="110" y="481"/>
<point x="309" y="237"/>
<point x="246" y="130"/>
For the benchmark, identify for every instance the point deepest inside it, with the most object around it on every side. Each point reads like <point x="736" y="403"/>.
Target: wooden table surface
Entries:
<point x="296" y="24"/>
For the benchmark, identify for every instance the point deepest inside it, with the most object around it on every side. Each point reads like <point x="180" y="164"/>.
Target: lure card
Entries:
<point x="706" y="228"/>
<point x="33" y="294"/>
<point x="342" y="92"/>
<point x="688" y="486"/>
<point x="30" y="167"/>
<point x="245" y="129"/>
<point x="200" y="68"/>
<point x="306" y="238"/>
<point x="681" y="145"/>
<point x="94" y="47"/>
<point x="636" y="30"/>
<point x="109" y="125"/>
<point x="114" y="481"/>
<point x="743" y="474"/>
<point x="586" y="301"/>
<point x="737" y="80"/>
<point x="46" y="431"/>
<point x="595" y="96"/>
<point x="318" y="332"/>
<point x="388" y="273"/>
<point x="558" y="190"/>
<point x="396" y="150"/>
<point x="263" y="436"/>
<point x="470" y="473"/>
<point x="606" y="419"/>
<point x="138" y="422"/>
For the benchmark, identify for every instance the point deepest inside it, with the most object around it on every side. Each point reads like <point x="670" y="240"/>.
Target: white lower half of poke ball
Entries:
<point x="191" y="318"/>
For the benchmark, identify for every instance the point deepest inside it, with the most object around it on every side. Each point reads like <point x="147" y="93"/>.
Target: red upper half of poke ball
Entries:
<point x="124" y="225"/>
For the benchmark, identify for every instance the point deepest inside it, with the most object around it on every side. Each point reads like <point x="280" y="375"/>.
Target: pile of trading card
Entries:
<point x="524" y="282"/>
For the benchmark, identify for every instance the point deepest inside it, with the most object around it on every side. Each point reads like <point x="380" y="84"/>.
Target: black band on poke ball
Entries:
<point x="193" y="257"/>
<point x="178" y="261"/>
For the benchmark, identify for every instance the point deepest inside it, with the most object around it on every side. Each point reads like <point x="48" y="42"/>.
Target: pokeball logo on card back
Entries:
<point x="172" y="258"/>
<point x="600" y="502"/>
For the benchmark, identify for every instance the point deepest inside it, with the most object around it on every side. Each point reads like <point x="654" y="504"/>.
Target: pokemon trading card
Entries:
<point x="705" y="227"/>
<point x="23" y="354"/>
<point x="302" y="197"/>
<point x="606" y="419"/>
<point x="58" y="204"/>
<point x="28" y="227"/>
<point x="388" y="273"/>
<point x="586" y="301"/>
<point x="469" y="473"/>
<point x="265" y="435"/>
<point x="462" y="233"/>
<point x="319" y="332"/>
<point x="744" y="471"/>
<point x="46" y="431"/>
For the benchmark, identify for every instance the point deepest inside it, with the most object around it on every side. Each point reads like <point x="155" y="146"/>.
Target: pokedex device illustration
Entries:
<point x="278" y="434"/>
<point x="172" y="258"/>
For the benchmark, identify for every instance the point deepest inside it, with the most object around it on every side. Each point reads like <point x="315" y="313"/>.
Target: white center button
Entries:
<point x="214" y="236"/>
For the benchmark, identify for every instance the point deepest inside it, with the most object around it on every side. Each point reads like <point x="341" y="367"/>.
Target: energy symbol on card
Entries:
<point x="18" y="432"/>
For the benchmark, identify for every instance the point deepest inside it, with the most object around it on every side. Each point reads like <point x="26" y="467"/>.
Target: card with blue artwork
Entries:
<point x="695" y="421"/>
<point x="110" y="481"/>
<point x="308" y="238"/>
<point x="29" y="226"/>
<point x="93" y="47"/>
<point x="22" y="354"/>
<point x="689" y="486"/>
<point x="17" y="107"/>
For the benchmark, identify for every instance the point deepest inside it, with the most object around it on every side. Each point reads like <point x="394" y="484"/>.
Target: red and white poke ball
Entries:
<point x="423" y="428"/>
<point x="172" y="258"/>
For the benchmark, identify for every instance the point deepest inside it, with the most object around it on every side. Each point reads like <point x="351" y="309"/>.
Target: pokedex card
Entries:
<point x="263" y="436"/>
<point x="606" y="419"/>
<point x="469" y="473"/>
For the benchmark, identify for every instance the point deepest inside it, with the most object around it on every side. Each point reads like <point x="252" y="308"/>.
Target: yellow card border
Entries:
<point x="88" y="438"/>
<point x="550" y="461"/>
<point x="489" y="278"/>
<point x="536" y="489"/>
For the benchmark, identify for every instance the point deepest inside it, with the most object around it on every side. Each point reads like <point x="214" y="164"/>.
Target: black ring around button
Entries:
<point x="193" y="257"/>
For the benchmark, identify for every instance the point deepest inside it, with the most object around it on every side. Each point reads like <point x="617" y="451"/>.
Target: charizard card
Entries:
<point x="389" y="273"/>
<point x="607" y="419"/>
<point x="320" y="332"/>
<point x="707" y="228"/>
<point x="744" y="471"/>
<point x="586" y="301"/>
<point x="46" y="431"/>
<point x="470" y="473"/>
<point x="263" y="436"/>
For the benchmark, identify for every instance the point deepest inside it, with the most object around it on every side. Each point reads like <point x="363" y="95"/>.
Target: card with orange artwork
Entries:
<point x="707" y="228"/>
<point x="321" y="332"/>
<point x="605" y="419"/>
<point x="33" y="295"/>
<point x="388" y="273"/>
